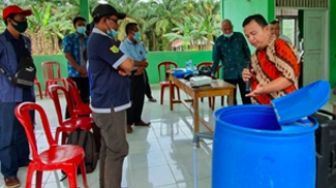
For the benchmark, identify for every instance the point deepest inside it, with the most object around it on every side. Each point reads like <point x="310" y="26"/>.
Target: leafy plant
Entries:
<point x="161" y="22"/>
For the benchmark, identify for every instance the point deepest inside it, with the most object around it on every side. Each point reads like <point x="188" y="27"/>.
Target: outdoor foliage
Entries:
<point x="51" y="20"/>
<point x="164" y="24"/>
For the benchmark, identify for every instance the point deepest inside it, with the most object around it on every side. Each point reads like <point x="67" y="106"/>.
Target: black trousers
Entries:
<point x="84" y="90"/>
<point x="148" y="90"/>
<point x="137" y="98"/>
<point x="14" y="148"/>
<point x="242" y="88"/>
<point x="83" y="87"/>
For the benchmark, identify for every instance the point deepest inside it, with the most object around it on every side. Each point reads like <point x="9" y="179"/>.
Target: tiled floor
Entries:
<point x="160" y="156"/>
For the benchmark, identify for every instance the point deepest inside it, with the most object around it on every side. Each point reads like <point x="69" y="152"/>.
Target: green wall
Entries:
<point x="38" y="60"/>
<point x="332" y="40"/>
<point x="238" y="10"/>
<point x="154" y="58"/>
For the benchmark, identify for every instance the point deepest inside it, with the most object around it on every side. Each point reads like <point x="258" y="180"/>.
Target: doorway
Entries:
<point x="308" y="30"/>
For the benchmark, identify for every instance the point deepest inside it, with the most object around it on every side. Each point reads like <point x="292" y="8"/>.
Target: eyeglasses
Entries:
<point x="114" y="20"/>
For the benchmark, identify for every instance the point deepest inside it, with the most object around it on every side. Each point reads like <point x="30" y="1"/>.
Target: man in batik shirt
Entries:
<point x="274" y="66"/>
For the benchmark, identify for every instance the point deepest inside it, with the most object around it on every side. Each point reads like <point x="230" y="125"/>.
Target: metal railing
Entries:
<point x="302" y="3"/>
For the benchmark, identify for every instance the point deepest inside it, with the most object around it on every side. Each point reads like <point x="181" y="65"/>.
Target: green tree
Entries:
<point x="198" y="27"/>
<point x="195" y="22"/>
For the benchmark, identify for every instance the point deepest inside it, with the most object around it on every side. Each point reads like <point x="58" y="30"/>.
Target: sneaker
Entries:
<point x="142" y="123"/>
<point x="151" y="99"/>
<point x="12" y="182"/>
<point x="129" y="128"/>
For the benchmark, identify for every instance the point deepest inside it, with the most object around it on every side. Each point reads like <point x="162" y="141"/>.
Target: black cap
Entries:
<point x="106" y="10"/>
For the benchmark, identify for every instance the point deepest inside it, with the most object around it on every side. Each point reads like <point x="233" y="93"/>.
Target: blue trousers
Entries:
<point x="14" y="148"/>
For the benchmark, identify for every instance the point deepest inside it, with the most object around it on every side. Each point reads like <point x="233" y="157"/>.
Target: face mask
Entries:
<point x="81" y="30"/>
<point x="20" y="27"/>
<point x="137" y="36"/>
<point x="113" y="33"/>
<point x="228" y="35"/>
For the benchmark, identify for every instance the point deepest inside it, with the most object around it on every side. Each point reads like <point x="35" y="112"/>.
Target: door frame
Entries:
<point x="326" y="43"/>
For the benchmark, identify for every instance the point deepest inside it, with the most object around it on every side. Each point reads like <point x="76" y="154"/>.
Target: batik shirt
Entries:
<point x="233" y="53"/>
<point x="278" y="59"/>
<point x="76" y="47"/>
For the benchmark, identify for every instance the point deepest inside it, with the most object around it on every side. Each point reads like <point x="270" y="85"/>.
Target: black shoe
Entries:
<point x="151" y="99"/>
<point x="142" y="123"/>
<point x="129" y="128"/>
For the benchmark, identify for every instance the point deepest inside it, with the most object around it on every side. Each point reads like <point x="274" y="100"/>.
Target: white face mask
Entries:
<point x="228" y="35"/>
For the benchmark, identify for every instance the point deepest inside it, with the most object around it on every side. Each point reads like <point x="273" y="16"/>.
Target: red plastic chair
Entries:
<point x="38" y="85"/>
<point x="164" y="83"/>
<point x="65" y="157"/>
<point x="66" y="126"/>
<point x="79" y="107"/>
<point x="51" y="74"/>
<point x="211" y="99"/>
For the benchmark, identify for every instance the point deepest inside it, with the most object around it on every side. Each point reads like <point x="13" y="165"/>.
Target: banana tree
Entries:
<point x="207" y="12"/>
<point x="51" y="20"/>
<point x="199" y="27"/>
<point x="184" y="32"/>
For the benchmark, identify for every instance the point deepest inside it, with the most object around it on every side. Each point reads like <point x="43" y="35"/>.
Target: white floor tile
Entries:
<point x="153" y="177"/>
<point x="160" y="156"/>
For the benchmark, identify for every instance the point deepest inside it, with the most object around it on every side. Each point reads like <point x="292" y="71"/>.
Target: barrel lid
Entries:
<point x="301" y="103"/>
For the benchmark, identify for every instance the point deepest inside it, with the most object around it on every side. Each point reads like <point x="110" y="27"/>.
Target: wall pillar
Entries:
<point x="238" y="10"/>
<point x="332" y="43"/>
<point x="84" y="9"/>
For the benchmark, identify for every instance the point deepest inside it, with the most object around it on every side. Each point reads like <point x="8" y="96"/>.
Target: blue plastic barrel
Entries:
<point x="251" y="150"/>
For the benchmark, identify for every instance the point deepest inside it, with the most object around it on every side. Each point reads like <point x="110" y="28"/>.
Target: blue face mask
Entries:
<point x="81" y="30"/>
<point x="137" y="36"/>
<point x="228" y="35"/>
<point x="113" y="33"/>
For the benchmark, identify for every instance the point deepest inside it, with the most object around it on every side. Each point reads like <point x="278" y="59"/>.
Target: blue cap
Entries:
<point x="301" y="103"/>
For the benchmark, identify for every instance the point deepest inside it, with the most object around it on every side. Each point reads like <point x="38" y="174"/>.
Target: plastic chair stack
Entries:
<point x="66" y="126"/>
<point x="57" y="157"/>
<point x="79" y="107"/>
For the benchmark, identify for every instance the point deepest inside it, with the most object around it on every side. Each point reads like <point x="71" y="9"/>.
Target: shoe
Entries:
<point x="129" y="128"/>
<point x="12" y="182"/>
<point x="142" y="123"/>
<point x="151" y="99"/>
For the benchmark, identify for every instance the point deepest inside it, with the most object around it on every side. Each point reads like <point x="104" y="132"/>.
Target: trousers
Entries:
<point x="14" y="148"/>
<point x="114" y="147"/>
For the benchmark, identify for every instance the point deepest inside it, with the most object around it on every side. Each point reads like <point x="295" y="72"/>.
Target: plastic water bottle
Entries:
<point x="189" y="66"/>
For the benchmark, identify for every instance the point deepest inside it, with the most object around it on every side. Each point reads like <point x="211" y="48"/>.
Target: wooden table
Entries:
<point x="217" y="88"/>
